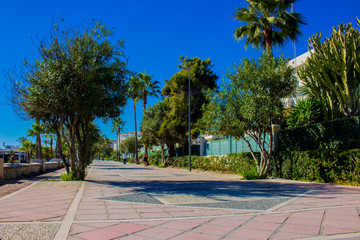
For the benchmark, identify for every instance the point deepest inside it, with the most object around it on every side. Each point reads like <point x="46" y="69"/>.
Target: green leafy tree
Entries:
<point x="176" y="90"/>
<point x="268" y="23"/>
<point x="150" y="127"/>
<point x="332" y="72"/>
<point x="247" y="106"/>
<point x="130" y="146"/>
<point x="79" y="76"/>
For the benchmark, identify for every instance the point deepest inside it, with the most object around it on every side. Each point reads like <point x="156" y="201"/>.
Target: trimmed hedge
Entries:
<point x="237" y="163"/>
<point x="325" y="165"/>
<point x="345" y="132"/>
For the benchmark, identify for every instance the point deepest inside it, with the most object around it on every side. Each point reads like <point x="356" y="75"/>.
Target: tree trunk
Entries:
<point x="144" y="104"/>
<point x="268" y="41"/>
<point x="162" y="153"/>
<point x="59" y="147"/>
<point x="136" y="148"/>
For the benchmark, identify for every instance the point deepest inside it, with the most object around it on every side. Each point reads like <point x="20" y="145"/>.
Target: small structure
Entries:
<point x="20" y="156"/>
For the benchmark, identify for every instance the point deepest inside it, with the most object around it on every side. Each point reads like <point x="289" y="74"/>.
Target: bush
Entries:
<point x="73" y="175"/>
<point x="326" y="165"/>
<point x="233" y="163"/>
<point x="251" y="174"/>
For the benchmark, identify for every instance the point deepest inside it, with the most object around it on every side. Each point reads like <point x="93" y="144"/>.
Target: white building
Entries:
<point x="124" y="136"/>
<point x="297" y="63"/>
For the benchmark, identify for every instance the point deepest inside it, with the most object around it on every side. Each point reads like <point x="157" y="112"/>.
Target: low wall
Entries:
<point x="13" y="171"/>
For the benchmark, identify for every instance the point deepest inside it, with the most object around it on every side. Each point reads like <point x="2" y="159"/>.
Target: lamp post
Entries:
<point x="187" y="68"/>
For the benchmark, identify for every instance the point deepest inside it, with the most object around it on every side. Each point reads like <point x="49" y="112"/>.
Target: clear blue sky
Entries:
<point x="156" y="34"/>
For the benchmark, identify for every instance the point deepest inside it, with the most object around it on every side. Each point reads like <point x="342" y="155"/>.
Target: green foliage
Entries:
<point x="268" y="23"/>
<point x="155" y="158"/>
<point x="79" y="75"/>
<point x="251" y="174"/>
<point x="306" y="111"/>
<point x="73" y="175"/>
<point x="345" y="132"/>
<point x="250" y="103"/>
<point x="233" y="163"/>
<point x="129" y="145"/>
<point x="174" y="127"/>
<point x="332" y="72"/>
<point x="327" y="165"/>
<point x="150" y="125"/>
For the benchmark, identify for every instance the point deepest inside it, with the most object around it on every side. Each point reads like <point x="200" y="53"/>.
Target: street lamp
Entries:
<point x="187" y="68"/>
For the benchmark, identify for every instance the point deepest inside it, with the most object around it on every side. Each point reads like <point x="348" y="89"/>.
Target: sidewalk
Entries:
<point x="133" y="202"/>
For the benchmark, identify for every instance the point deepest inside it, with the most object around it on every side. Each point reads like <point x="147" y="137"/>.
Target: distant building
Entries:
<point x="124" y="136"/>
<point x="297" y="63"/>
<point x="20" y="156"/>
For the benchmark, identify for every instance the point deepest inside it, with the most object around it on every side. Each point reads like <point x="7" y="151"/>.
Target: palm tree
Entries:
<point x="49" y="133"/>
<point x="135" y="91"/>
<point x="148" y="88"/>
<point x="36" y="130"/>
<point x="269" y="23"/>
<point x="28" y="147"/>
<point x="117" y="125"/>
<point x="22" y="139"/>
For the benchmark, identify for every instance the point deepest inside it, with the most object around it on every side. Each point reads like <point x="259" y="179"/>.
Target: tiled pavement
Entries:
<point x="133" y="202"/>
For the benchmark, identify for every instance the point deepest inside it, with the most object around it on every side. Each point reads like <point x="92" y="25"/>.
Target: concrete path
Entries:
<point x="134" y="202"/>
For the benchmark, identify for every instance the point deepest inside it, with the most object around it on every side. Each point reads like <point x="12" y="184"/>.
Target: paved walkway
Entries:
<point x="133" y="202"/>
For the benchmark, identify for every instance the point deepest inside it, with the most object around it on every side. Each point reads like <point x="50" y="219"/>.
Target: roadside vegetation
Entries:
<point x="79" y="76"/>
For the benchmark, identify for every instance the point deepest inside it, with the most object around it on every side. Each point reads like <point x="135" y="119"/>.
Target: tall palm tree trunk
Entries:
<point x="144" y="105"/>
<point x="136" y="150"/>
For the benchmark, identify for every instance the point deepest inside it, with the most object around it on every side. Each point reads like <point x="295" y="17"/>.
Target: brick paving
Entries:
<point x="133" y="202"/>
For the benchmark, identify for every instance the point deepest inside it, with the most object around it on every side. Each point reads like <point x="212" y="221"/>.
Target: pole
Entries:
<point x="189" y="125"/>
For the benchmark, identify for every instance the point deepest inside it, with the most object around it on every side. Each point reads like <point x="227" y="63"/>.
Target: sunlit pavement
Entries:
<point x="135" y="202"/>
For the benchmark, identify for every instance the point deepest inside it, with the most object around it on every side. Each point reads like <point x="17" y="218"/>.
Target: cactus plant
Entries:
<point x="332" y="72"/>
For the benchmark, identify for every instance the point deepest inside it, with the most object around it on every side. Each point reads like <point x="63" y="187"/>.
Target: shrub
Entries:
<point x="73" y="175"/>
<point x="327" y="164"/>
<point x="251" y="174"/>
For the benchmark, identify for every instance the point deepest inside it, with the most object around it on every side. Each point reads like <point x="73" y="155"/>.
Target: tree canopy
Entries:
<point x="252" y="101"/>
<point x="78" y="76"/>
<point x="176" y="92"/>
<point x="268" y="23"/>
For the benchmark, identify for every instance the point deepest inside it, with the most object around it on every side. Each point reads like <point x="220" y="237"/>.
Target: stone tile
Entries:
<point x="251" y="233"/>
<point x="127" y="228"/>
<point x="78" y="228"/>
<point x="286" y="236"/>
<point x="195" y="236"/>
<point x="301" y="229"/>
<point x="100" y="234"/>
<point x="159" y="233"/>
<point x="272" y="218"/>
<point x="229" y="221"/>
<point x="335" y="230"/>
<point x="262" y="225"/>
<point x="155" y="215"/>
<point x="304" y="221"/>
<point x="180" y="225"/>
<point x="213" y="229"/>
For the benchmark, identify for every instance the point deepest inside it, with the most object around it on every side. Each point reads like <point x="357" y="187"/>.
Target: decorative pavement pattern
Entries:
<point x="133" y="202"/>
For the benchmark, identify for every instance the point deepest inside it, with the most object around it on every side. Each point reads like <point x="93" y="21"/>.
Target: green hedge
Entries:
<point x="345" y="132"/>
<point x="325" y="165"/>
<point x="237" y="163"/>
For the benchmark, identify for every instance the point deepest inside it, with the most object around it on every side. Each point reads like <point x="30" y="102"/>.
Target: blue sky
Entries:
<point x="156" y="34"/>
